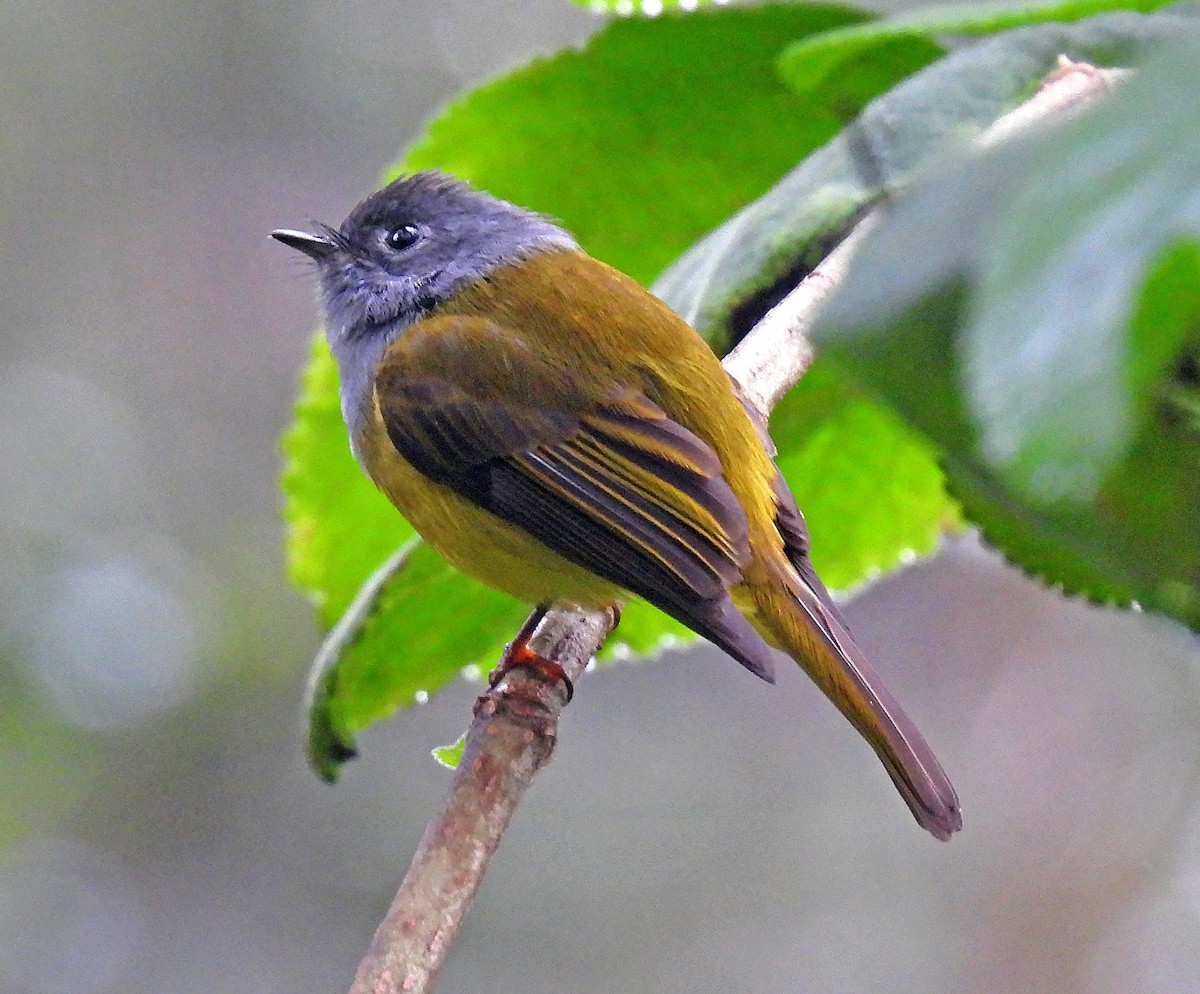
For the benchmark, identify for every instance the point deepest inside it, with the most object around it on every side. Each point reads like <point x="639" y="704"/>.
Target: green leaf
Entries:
<point x="813" y="61"/>
<point x="450" y="756"/>
<point x="728" y="279"/>
<point x="649" y="112"/>
<point x="644" y="8"/>
<point x="328" y="745"/>
<point x="643" y="631"/>
<point x="1052" y="363"/>
<point x="870" y="487"/>
<point x="414" y="626"/>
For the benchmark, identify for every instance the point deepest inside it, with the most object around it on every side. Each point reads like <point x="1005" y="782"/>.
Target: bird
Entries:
<point x="556" y="431"/>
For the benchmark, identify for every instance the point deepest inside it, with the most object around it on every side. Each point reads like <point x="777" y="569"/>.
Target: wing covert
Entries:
<point x="613" y="484"/>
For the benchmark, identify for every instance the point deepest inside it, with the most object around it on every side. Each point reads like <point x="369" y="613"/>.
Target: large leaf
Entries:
<point x="424" y="626"/>
<point x="871" y="489"/>
<point x="841" y="451"/>
<point x="811" y="62"/>
<point x="339" y="526"/>
<point x="685" y="113"/>
<point x="1055" y="364"/>
<point x="728" y="278"/>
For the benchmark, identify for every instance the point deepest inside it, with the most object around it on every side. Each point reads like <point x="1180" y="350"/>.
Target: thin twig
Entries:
<point x="776" y="353"/>
<point x="511" y="738"/>
<point x="515" y="725"/>
<point x="1070" y="88"/>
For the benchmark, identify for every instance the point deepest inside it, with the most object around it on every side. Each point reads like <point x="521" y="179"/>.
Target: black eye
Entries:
<point x="403" y="237"/>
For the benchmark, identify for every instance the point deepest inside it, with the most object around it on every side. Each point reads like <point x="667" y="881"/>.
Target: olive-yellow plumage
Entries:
<point x="560" y="368"/>
<point x="557" y="432"/>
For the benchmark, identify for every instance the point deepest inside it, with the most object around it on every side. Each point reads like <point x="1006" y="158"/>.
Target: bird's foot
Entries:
<point x="614" y="610"/>
<point x="518" y="655"/>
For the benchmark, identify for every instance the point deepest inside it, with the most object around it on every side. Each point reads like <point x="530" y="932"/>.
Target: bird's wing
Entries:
<point x="604" y="478"/>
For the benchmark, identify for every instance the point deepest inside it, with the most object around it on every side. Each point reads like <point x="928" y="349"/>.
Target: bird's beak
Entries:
<point x="316" y="247"/>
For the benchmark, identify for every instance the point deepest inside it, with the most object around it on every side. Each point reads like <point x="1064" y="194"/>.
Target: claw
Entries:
<point x="519" y="655"/>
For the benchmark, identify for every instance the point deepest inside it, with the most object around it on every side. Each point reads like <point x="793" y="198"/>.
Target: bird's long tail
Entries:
<point x="794" y="615"/>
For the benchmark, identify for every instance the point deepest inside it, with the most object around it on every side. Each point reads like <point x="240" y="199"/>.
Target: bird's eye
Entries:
<point x="403" y="237"/>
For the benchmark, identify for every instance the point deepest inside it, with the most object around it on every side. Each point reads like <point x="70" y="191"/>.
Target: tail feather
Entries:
<point x="793" y="614"/>
<point x="791" y="608"/>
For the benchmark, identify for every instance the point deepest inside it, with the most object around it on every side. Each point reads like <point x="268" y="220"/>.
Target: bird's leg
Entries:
<point x="519" y="655"/>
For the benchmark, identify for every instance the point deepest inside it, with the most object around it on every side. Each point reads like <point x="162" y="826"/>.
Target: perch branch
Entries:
<point x="515" y="726"/>
<point x="511" y="738"/>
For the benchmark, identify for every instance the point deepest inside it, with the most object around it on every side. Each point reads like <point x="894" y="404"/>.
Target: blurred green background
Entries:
<point x="697" y="830"/>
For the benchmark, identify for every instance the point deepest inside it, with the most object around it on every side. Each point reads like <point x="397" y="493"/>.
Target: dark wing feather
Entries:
<point x="447" y="434"/>
<point x="796" y="543"/>
<point x="617" y="487"/>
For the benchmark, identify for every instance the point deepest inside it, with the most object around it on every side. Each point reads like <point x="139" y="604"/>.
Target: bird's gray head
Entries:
<point x="400" y="253"/>
<point x="410" y="246"/>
